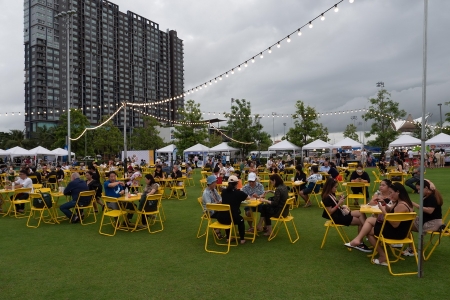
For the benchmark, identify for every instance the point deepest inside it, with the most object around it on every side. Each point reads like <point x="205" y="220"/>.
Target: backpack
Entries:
<point x="47" y="198"/>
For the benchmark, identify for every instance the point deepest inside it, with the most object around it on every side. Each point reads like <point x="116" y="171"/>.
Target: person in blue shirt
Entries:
<point x="113" y="188"/>
<point x="75" y="186"/>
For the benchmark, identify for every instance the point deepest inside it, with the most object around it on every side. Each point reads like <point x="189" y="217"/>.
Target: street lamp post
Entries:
<point x="68" y="14"/>
<point x="273" y="125"/>
<point x="440" y="114"/>
<point x="284" y="134"/>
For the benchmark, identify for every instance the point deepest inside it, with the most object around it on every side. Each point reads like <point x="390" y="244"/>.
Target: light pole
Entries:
<point x="284" y="134"/>
<point x="440" y="114"/>
<point x="273" y="125"/>
<point x="69" y="16"/>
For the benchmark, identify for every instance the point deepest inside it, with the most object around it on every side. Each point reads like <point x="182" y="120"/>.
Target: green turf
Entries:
<point x="70" y="261"/>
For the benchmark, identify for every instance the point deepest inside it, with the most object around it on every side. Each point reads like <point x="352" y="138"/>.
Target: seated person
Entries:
<point x="411" y="182"/>
<point x="75" y="186"/>
<point x="300" y="176"/>
<point x="253" y="189"/>
<point x="159" y="172"/>
<point x="22" y="182"/>
<point x="60" y="173"/>
<point x="432" y="211"/>
<point x="400" y="203"/>
<point x="51" y="174"/>
<point x="234" y="198"/>
<point x="113" y="188"/>
<point x="151" y="188"/>
<point x="44" y="171"/>
<point x="344" y="164"/>
<point x="325" y="167"/>
<point x="275" y="205"/>
<point x="176" y="174"/>
<point x="311" y="182"/>
<point x="359" y="175"/>
<point x="210" y="195"/>
<point x="36" y="180"/>
<point x="332" y="171"/>
<point x="134" y="180"/>
<point x="337" y="211"/>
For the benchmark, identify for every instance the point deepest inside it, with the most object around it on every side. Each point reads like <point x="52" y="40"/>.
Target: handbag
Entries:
<point x="345" y="210"/>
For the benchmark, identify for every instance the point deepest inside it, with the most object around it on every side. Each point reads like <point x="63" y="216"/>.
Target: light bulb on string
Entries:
<point x="278" y="45"/>
<point x="261" y="55"/>
<point x="351" y="1"/>
<point x="289" y="39"/>
<point x="239" y="68"/>
<point x="253" y="59"/>
<point x="322" y="18"/>
<point x="232" y="71"/>
<point x="299" y="33"/>
<point x="226" y="74"/>
<point x="220" y="78"/>
<point x="310" y="25"/>
<point x="246" y="64"/>
<point x="336" y="9"/>
<point x="270" y="50"/>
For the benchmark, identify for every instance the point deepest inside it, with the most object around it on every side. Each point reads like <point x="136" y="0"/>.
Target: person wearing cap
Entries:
<point x="210" y="195"/>
<point x="234" y="198"/>
<point x="253" y="189"/>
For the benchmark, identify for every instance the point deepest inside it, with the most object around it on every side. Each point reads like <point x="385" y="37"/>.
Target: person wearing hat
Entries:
<point x="253" y="189"/>
<point x="233" y="197"/>
<point x="210" y="195"/>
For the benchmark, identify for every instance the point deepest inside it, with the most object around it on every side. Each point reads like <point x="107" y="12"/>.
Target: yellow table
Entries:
<point x="252" y="203"/>
<point x="132" y="198"/>
<point x="348" y="188"/>
<point x="395" y="174"/>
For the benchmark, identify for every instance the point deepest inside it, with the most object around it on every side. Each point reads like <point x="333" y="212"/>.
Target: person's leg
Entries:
<point x="411" y="182"/>
<point x="365" y="230"/>
<point x="241" y="228"/>
<point x="358" y="219"/>
<point x="268" y="225"/>
<point x="65" y="208"/>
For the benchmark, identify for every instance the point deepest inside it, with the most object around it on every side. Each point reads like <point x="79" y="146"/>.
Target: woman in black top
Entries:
<point x="94" y="185"/>
<point x="333" y="172"/>
<point x="359" y="175"/>
<point x="300" y="176"/>
<point x="275" y="205"/>
<point x="233" y="197"/>
<point x="159" y="172"/>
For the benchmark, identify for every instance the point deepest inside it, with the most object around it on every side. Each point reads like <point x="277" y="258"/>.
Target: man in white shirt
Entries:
<point x="410" y="156"/>
<point x="325" y="167"/>
<point x="22" y="182"/>
<point x="228" y="170"/>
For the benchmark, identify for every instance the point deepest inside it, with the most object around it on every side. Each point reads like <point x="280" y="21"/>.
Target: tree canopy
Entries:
<point x="350" y="132"/>
<point x="78" y="123"/>
<point x="306" y="126"/>
<point x="381" y="112"/>
<point x="147" y="137"/>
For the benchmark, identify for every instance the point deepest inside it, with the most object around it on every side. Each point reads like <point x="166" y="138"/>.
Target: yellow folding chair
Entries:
<point x="190" y="178"/>
<point x="284" y="220"/>
<point x="339" y="228"/>
<point x="89" y="207"/>
<point x="179" y="186"/>
<point x="40" y="208"/>
<point x="155" y="215"/>
<point x="213" y="225"/>
<point x="444" y="232"/>
<point x="376" y="181"/>
<point x="319" y="183"/>
<point x="37" y="186"/>
<point x="350" y="194"/>
<point x="202" y="218"/>
<point x="14" y="201"/>
<point x="116" y="216"/>
<point x="203" y="186"/>
<point x="54" y="184"/>
<point x="409" y="239"/>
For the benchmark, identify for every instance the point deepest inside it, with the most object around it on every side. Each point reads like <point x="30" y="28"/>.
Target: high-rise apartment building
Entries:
<point x="114" y="57"/>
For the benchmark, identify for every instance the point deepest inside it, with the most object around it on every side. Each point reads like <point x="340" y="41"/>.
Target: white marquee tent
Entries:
<point x="441" y="140"/>
<point x="317" y="144"/>
<point x="167" y="149"/>
<point x="60" y="152"/>
<point x="39" y="150"/>
<point x="18" y="151"/>
<point x="198" y="149"/>
<point x="405" y="140"/>
<point x="348" y="142"/>
<point x="223" y="147"/>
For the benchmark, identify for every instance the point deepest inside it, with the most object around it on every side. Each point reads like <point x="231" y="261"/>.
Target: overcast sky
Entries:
<point x="333" y="66"/>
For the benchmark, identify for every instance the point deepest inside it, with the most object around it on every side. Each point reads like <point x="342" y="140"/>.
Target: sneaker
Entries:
<point x="75" y="219"/>
<point x="408" y="252"/>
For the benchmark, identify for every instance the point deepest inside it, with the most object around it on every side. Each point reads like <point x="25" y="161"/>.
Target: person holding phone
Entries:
<point x="336" y="209"/>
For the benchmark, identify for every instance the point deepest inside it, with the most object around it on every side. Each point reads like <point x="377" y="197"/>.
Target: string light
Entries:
<point x="351" y="1"/>
<point x="278" y="45"/>
<point x="230" y="138"/>
<point x="322" y="18"/>
<point x="299" y="32"/>
<point x="289" y="39"/>
<point x="336" y="9"/>
<point x="310" y="25"/>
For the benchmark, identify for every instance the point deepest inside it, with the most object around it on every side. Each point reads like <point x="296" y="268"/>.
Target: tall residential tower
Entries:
<point x="114" y="57"/>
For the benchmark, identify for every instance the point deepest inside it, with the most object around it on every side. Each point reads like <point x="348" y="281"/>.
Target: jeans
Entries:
<point x="412" y="183"/>
<point x="65" y="208"/>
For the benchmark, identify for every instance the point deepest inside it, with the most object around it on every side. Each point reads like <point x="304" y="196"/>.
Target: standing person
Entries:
<point x="95" y="173"/>
<point x="410" y="156"/>
<point x="73" y="189"/>
<point x="359" y="175"/>
<point x="338" y="158"/>
<point x="196" y="161"/>
<point x="442" y="158"/>
<point x="234" y="198"/>
<point x="401" y="203"/>
<point x="275" y="205"/>
<point x="364" y="157"/>
<point x="432" y="211"/>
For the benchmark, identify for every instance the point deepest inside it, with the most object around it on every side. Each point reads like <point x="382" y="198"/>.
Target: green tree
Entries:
<point x="45" y="136"/>
<point x="188" y="135"/>
<point x="147" y="137"/>
<point x="417" y="133"/>
<point x="15" y="138"/>
<point x="214" y="139"/>
<point x="381" y="112"/>
<point x="78" y="122"/>
<point x="306" y="126"/>
<point x="244" y="127"/>
<point x="106" y="140"/>
<point x="350" y="132"/>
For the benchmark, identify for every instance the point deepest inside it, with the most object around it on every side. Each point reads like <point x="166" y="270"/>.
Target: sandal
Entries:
<point x="250" y="230"/>
<point x="308" y="204"/>
<point x="377" y="262"/>
<point x="259" y="229"/>
<point x="219" y="235"/>
<point x="267" y="233"/>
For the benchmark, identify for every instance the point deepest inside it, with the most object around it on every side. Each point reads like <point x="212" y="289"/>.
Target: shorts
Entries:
<point x="432" y="225"/>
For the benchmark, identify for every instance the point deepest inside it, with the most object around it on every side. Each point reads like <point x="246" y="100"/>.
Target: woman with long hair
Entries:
<point x="275" y="205"/>
<point x="432" y="211"/>
<point x="94" y="185"/>
<point x="233" y="197"/>
<point x="400" y="203"/>
<point x="383" y="193"/>
<point x="300" y="176"/>
<point x="151" y="187"/>
<point x="337" y="210"/>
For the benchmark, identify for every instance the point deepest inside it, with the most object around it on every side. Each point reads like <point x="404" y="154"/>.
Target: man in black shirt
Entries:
<point x="59" y="173"/>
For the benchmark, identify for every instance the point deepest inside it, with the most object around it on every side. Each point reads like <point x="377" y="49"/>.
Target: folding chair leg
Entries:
<point x="200" y="228"/>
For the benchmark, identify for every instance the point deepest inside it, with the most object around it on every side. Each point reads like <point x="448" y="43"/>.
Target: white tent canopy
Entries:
<point x="18" y="151"/>
<point x="3" y="152"/>
<point x="60" y="152"/>
<point x="405" y="140"/>
<point x="441" y="140"/>
<point x="223" y="147"/>
<point x="41" y="151"/>
<point x="317" y="144"/>
<point x="348" y="142"/>
<point x="167" y="149"/>
<point x="197" y="148"/>
<point x="284" y="145"/>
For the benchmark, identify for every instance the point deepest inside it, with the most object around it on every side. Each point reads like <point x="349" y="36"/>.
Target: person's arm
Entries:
<point x="68" y="189"/>
<point x="114" y="184"/>
<point x="426" y="209"/>
<point x="400" y="208"/>
<point x="328" y="203"/>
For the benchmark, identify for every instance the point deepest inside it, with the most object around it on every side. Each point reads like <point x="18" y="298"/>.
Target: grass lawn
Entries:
<point x="70" y="261"/>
